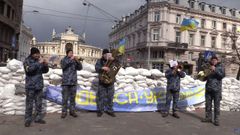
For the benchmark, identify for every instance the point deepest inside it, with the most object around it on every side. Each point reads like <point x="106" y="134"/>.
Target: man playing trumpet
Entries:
<point x="34" y="66"/>
<point x="70" y="64"/>
<point x="173" y="75"/>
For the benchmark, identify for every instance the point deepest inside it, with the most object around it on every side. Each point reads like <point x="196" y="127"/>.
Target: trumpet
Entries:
<point x="79" y="59"/>
<point x="179" y="67"/>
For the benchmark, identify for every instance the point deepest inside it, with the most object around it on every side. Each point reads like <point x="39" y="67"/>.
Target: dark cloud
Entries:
<point x="96" y="31"/>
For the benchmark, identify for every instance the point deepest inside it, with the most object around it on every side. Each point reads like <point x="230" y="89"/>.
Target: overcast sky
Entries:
<point x="97" y="30"/>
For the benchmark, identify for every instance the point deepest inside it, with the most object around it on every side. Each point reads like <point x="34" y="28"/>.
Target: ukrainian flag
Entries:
<point x="189" y="24"/>
<point x="121" y="47"/>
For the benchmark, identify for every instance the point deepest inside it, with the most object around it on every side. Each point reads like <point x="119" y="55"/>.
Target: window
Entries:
<point x="191" y="4"/>
<point x="203" y="23"/>
<point x="157" y="54"/>
<point x="155" y="35"/>
<point x="202" y="7"/>
<point x="13" y="14"/>
<point x="8" y="11"/>
<point x="203" y="40"/>
<point x="158" y="66"/>
<point x="224" y="26"/>
<point x="224" y="11"/>
<point x="178" y="19"/>
<point x="191" y="39"/>
<point x="224" y="42"/>
<point x="190" y="56"/>
<point x="176" y="1"/>
<point x="234" y="28"/>
<point x="161" y="54"/>
<point x="213" y="42"/>
<point x="2" y="4"/>
<point x="178" y="37"/>
<point x="213" y="9"/>
<point x="177" y="55"/>
<point x="156" y="16"/>
<point x="154" y="54"/>
<point x="233" y="11"/>
<point x="214" y="24"/>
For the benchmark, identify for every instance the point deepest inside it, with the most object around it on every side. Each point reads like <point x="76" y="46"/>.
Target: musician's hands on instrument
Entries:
<point x="107" y="69"/>
<point x="213" y="68"/>
<point x="72" y="58"/>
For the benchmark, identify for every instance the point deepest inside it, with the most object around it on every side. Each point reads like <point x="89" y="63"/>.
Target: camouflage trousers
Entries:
<point x="68" y="94"/>
<point x="104" y="99"/>
<point x="171" y="95"/>
<point x="33" y="96"/>
<point x="216" y="98"/>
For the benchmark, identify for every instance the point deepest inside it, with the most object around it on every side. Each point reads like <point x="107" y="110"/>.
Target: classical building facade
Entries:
<point x="153" y="35"/>
<point x="25" y="42"/>
<point x="10" y="23"/>
<point x="56" y="49"/>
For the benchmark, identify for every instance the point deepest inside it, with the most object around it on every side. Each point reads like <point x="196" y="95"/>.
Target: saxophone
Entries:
<point x="114" y="66"/>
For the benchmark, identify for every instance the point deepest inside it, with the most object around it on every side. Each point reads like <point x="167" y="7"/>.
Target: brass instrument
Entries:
<point x="180" y="66"/>
<point x="114" y="66"/>
<point x="205" y="72"/>
<point x="79" y="59"/>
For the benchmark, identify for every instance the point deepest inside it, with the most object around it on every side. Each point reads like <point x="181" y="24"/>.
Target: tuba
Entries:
<point x="205" y="72"/>
<point x="114" y="66"/>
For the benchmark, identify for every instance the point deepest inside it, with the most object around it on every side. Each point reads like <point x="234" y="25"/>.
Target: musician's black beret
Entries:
<point x="34" y="50"/>
<point x="105" y="51"/>
<point x="69" y="50"/>
<point x="214" y="57"/>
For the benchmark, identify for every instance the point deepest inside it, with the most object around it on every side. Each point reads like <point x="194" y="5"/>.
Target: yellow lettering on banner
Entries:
<point x="134" y="98"/>
<point x="154" y="97"/>
<point x="80" y="96"/>
<point x="92" y="98"/>
<point x="118" y="101"/>
<point x="149" y="97"/>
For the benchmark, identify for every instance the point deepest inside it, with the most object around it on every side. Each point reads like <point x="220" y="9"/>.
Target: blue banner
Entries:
<point x="132" y="101"/>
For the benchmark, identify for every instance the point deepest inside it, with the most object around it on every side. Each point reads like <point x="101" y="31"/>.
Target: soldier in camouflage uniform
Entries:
<point x="105" y="91"/>
<point x="214" y="91"/>
<point x="173" y="75"/>
<point x="69" y="65"/>
<point x="34" y="68"/>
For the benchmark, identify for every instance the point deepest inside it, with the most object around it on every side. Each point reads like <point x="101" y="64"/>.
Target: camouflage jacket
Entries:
<point x="34" y="71"/>
<point x="173" y="80"/>
<point x="70" y="68"/>
<point x="214" y="80"/>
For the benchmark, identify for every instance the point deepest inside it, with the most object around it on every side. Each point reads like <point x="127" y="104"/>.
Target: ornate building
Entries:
<point x="153" y="35"/>
<point x="56" y="49"/>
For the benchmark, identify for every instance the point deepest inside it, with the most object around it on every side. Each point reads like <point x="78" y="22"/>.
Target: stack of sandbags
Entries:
<point x="51" y="107"/>
<point x="230" y="95"/>
<point x="13" y="73"/>
<point x="7" y="103"/>
<point x="87" y="80"/>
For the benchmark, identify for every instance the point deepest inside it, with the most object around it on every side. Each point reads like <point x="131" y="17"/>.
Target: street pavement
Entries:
<point x="146" y="123"/>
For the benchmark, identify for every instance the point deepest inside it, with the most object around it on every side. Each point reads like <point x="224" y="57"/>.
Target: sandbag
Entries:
<point x="8" y="91"/>
<point x="4" y="70"/>
<point x="14" y="65"/>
